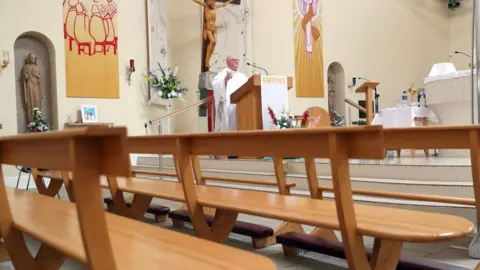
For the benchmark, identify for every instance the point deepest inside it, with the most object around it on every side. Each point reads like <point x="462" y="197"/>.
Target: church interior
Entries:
<point x="239" y="134"/>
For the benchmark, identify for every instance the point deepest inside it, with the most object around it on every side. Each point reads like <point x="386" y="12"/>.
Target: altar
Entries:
<point x="449" y="94"/>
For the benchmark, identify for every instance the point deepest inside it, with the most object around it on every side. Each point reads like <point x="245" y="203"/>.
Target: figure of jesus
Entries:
<point x="309" y="9"/>
<point x="210" y="26"/>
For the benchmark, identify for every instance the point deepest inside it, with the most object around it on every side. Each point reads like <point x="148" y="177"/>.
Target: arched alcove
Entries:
<point x="42" y="48"/>
<point x="336" y="88"/>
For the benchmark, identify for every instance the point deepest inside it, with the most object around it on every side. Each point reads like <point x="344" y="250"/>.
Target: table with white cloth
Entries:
<point x="405" y="117"/>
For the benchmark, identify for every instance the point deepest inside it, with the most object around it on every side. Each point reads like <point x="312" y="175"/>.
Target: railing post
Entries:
<point x="160" y="156"/>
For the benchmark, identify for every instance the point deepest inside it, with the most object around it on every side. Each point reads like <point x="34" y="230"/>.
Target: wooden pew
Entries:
<point x="83" y="231"/>
<point x="465" y="137"/>
<point x="390" y="227"/>
<point x="262" y="236"/>
<point x="57" y="179"/>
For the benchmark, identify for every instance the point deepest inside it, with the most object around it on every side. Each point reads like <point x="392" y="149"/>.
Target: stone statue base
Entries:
<point x="205" y="80"/>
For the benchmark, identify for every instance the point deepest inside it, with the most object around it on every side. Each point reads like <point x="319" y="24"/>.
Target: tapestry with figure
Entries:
<point x="307" y="23"/>
<point x="91" y="48"/>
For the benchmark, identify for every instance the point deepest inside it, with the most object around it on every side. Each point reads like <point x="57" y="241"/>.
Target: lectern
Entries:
<point x="248" y="99"/>
<point x="367" y="88"/>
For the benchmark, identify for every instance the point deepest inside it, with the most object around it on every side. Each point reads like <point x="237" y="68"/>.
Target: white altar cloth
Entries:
<point x="403" y="117"/>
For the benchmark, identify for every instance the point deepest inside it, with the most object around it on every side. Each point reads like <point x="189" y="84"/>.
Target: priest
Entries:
<point x="224" y="84"/>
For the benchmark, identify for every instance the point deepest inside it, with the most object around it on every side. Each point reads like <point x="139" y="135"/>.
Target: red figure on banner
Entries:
<point x="92" y="33"/>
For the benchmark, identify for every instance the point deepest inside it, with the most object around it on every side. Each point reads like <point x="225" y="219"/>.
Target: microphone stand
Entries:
<point x="248" y="64"/>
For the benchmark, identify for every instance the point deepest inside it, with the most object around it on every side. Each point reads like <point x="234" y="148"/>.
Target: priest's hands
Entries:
<point x="228" y="77"/>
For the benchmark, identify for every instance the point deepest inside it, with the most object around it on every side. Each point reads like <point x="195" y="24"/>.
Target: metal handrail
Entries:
<point x="165" y="117"/>
<point x="198" y="104"/>
<point x="360" y="108"/>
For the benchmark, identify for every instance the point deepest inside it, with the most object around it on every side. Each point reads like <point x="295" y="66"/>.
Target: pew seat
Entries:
<point x="159" y="211"/>
<point x="336" y="249"/>
<point x="137" y="245"/>
<point x="240" y="227"/>
<point x="374" y="221"/>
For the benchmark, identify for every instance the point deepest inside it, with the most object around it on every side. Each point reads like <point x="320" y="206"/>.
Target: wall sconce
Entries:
<point x="6" y="60"/>
<point x="131" y="69"/>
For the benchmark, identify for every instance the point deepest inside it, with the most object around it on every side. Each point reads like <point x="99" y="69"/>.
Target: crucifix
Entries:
<point x="210" y="28"/>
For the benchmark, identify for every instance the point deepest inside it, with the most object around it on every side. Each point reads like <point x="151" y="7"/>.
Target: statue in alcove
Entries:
<point x="331" y="94"/>
<point x="32" y="89"/>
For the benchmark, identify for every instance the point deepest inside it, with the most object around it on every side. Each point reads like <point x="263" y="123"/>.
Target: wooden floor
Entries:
<point x="307" y="261"/>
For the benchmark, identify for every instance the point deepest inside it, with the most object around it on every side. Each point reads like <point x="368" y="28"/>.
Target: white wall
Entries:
<point x="460" y="30"/>
<point x="390" y="41"/>
<point x="46" y="17"/>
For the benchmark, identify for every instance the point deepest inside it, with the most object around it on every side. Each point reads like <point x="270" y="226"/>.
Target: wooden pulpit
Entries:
<point x="248" y="99"/>
<point x="367" y="88"/>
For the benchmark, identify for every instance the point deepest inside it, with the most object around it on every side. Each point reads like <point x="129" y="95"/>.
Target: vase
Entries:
<point x="161" y="102"/>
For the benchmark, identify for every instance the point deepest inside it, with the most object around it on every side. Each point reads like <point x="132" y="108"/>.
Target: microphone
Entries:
<point x="458" y="52"/>
<point x="249" y="64"/>
<point x="360" y="78"/>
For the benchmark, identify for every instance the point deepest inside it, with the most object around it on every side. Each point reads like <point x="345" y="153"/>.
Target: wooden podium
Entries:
<point x="248" y="99"/>
<point x="367" y="88"/>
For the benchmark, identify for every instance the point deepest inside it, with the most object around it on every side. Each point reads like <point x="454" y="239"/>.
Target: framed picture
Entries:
<point x="89" y="113"/>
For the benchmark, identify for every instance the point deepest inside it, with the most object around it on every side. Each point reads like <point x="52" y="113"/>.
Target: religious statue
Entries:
<point x="32" y="89"/>
<point x="210" y="26"/>
<point x="309" y="9"/>
<point x="331" y="94"/>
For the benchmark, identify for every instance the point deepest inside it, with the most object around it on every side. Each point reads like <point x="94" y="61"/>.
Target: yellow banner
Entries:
<point x="307" y="25"/>
<point x="91" y="48"/>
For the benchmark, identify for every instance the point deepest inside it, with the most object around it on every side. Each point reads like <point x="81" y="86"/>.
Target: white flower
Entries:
<point x="169" y="95"/>
<point x="174" y="94"/>
<point x="180" y="95"/>
<point x="159" y="94"/>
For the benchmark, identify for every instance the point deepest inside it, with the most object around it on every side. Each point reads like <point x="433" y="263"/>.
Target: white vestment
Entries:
<point x="225" y="112"/>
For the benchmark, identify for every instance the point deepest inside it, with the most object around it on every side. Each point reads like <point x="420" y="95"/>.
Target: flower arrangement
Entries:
<point x="167" y="86"/>
<point x="285" y="121"/>
<point x="304" y="122"/>
<point x="38" y="124"/>
<point x="336" y="119"/>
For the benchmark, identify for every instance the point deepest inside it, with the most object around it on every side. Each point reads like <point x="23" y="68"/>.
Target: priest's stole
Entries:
<point x="91" y="48"/>
<point x="308" y="38"/>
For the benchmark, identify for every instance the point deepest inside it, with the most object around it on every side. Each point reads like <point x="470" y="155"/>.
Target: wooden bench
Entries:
<point x="434" y="138"/>
<point x="262" y="236"/>
<point x="57" y="179"/>
<point x="83" y="231"/>
<point x="390" y="227"/>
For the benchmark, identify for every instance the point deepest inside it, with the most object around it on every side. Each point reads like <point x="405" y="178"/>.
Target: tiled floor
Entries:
<point x="306" y="260"/>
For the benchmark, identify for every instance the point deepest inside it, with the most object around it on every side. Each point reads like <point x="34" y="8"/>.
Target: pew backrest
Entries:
<point x="87" y="153"/>
<point x="337" y="144"/>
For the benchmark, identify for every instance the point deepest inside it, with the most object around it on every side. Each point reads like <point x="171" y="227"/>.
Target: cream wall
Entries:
<point x="390" y="41"/>
<point x="46" y="17"/>
<point x="460" y="27"/>
<point x="185" y="43"/>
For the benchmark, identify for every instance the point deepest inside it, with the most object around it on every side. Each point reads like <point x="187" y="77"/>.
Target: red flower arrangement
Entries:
<point x="272" y="116"/>
<point x="304" y="119"/>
